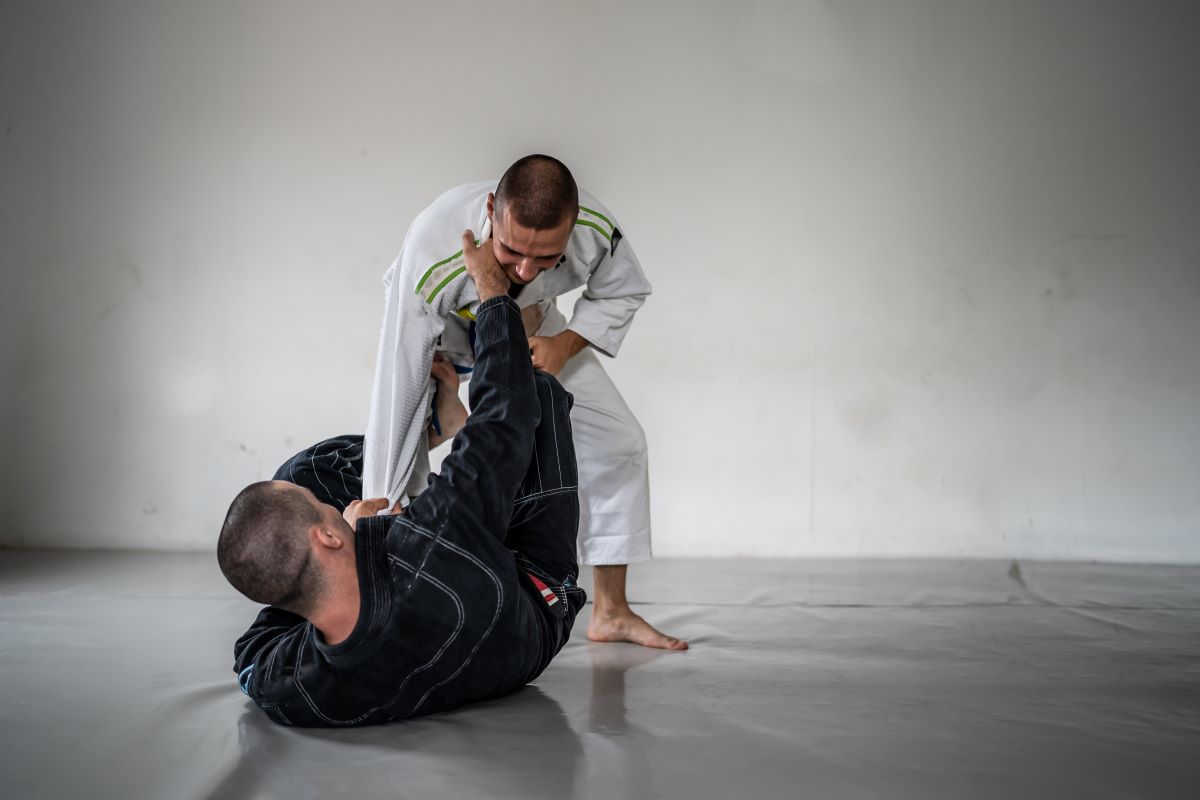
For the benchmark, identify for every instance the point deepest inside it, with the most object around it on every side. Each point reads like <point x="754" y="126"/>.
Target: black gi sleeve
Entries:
<point x="491" y="454"/>
<point x="256" y="650"/>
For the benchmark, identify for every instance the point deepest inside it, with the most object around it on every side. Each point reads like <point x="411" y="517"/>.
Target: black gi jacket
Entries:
<point x="450" y="612"/>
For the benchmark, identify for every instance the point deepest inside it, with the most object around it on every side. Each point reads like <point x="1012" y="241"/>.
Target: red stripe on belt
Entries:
<point x="547" y="593"/>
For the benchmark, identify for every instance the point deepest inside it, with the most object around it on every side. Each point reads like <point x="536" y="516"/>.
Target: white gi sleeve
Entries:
<point x="616" y="288"/>
<point x="421" y="290"/>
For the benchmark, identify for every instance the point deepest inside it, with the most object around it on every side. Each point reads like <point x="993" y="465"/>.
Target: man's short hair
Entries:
<point x="263" y="550"/>
<point x="539" y="192"/>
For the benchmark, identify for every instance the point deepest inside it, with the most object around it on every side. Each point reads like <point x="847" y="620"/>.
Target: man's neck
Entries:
<point x="336" y="617"/>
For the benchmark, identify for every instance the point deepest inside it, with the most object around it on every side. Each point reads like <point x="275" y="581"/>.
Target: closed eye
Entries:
<point x="508" y="250"/>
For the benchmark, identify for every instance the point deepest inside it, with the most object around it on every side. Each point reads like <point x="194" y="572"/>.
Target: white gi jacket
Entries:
<point x="428" y="308"/>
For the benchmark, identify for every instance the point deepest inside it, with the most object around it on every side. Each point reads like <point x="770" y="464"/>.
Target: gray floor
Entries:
<point x="806" y="679"/>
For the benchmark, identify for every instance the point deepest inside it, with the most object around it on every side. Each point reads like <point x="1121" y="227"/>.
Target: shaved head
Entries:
<point x="538" y="192"/>
<point x="263" y="549"/>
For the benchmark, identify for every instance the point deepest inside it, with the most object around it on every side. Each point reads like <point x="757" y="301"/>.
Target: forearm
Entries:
<point x="501" y="388"/>
<point x="271" y="624"/>
<point x="474" y="490"/>
<point x="451" y="417"/>
<point x="603" y="323"/>
<point x="493" y="447"/>
<point x="572" y="342"/>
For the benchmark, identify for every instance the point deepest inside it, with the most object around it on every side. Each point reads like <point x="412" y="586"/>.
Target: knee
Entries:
<point x="636" y="441"/>
<point x="552" y="392"/>
<point x="625" y="442"/>
<point x="289" y="471"/>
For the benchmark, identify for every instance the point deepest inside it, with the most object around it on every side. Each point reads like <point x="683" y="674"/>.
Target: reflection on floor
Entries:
<point x="805" y="678"/>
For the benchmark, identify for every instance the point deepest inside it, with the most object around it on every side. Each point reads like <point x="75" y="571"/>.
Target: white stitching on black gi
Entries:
<point x="557" y="457"/>
<point x="495" y="616"/>
<point x="441" y="651"/>
<point x="546" y="493"/>
<point x="537" y="466"/>
<point x="436" y="656"/>
<point x="312" y="463"/>
<point x="338" y="454"/>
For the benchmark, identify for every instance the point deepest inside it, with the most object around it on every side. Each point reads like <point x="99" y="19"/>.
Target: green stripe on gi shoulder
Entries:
<point x="607" y="222"/>
<point x="439" y="275"/>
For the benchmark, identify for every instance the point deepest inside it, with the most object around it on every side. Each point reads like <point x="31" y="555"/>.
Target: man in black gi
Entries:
<point x="466" y="596"/>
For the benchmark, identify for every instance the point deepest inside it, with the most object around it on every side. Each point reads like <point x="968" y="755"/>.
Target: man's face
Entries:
<point x="523" y="252"/>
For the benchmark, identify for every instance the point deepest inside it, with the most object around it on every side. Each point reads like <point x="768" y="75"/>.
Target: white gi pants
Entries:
<point x="610" y="446"/>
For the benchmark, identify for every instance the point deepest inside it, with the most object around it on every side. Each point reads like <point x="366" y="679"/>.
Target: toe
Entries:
<point x="669" y="643"/>
<point x="648" y="636"/>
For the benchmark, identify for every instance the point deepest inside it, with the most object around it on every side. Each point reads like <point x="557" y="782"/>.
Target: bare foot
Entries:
<point x="629" y="627"/>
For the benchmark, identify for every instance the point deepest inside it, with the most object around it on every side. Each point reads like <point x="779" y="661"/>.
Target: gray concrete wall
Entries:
<point x="927" y="273"/>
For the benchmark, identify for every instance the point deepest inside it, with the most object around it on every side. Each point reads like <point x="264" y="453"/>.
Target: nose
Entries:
<point x="526" y="269"/>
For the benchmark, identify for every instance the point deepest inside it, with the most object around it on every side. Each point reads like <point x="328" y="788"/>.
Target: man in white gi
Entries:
<point x="549" y="238"/>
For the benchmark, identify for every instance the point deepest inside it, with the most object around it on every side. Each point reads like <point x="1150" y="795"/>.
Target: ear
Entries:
<point x="322" y="538"/>
<point x="491" y="207"/>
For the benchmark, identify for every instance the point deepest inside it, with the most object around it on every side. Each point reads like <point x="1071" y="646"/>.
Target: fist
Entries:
<point x="361" y="509"/>
<point x="484" y="269"/>
<point x="551" y="353"/>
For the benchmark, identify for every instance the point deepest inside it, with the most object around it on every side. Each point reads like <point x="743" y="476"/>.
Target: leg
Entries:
<point x="544" y="528"/>
<point x="615" y="500"/>
<point x="545" y="518"/>
<point x="612" y="618"/>
<point x="332" y="470"/>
